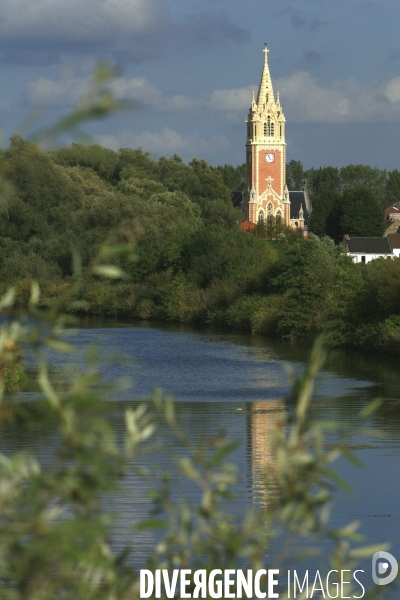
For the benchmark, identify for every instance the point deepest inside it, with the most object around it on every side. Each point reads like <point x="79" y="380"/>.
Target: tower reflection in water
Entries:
<point x="263" y="419"/>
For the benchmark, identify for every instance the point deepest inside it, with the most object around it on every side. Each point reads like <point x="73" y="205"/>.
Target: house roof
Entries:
<point x="396" y="206"/>
<point x="394" y="239"/>
<point x="298" y="199"/>
<point x="237" y="197"/>
<point x="247" y="226"/>
<point x="369" y="245"/>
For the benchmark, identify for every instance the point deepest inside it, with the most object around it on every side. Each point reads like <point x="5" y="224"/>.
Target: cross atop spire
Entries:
<point x="265" y="91"/>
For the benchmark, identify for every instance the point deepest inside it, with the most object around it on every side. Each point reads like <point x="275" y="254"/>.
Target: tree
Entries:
<point x="370" y="177"/>
<point x="234" y="177"/>
<point x="382" y="281"/>
<point x="303" y="274"/>
<point x="294" y="175"/>
<point x="102" y="160"/>
<point x="322" y="180"/>
<point x="135" y="163"/>
<point x="392" y="188"/>
<point x="322" y="219"/>
<point x="360" y="213"/>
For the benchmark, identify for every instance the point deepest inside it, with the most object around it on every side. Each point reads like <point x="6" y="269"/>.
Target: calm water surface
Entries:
<point x="237" y="383"/>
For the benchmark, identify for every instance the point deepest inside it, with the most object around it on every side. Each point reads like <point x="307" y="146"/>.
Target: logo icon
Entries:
<point x="381" y="561"/>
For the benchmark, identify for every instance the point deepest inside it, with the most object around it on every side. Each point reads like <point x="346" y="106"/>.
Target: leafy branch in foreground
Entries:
<point x="56" y="537"/>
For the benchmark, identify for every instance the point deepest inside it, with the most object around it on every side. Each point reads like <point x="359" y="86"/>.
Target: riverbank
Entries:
<point x="291" y="316"/>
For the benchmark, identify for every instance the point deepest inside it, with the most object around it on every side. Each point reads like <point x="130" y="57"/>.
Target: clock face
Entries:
<point x="270" y="158"/>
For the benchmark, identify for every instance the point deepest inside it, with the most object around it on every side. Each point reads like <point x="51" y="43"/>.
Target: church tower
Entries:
<point x="266" y="191"/>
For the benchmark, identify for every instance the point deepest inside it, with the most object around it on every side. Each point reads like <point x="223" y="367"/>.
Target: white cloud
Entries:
<point x="303" y="98"/>
<point x="238" y="99"/>
<point x="69" y="90"/>
<point x="392" y="90"/>
<point x="165" y="142"/>
<point x="47" y="92"/>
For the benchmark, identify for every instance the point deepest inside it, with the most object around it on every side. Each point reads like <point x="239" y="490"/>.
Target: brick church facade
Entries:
<point x="266" y="194"/>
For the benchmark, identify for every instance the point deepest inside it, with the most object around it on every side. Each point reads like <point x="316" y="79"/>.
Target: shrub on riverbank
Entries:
<point x="11" y="370"/>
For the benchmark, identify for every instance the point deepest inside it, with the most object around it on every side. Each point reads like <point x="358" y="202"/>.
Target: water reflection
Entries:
<point x="211" y="377"/>
<point x="263" y="419"/>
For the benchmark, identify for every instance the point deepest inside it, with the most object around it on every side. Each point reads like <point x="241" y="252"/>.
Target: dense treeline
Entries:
<point x="192" y="263"/>
<point x="347" y="200"/>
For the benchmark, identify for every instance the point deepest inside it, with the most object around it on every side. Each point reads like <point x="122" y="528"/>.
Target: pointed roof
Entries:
<point x="297" y="200"/>
<point x="265" y="83"/>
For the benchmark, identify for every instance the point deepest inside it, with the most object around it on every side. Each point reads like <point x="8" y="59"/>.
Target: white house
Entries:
<point x="365" y="249"/>
<point x="395" y="243"/>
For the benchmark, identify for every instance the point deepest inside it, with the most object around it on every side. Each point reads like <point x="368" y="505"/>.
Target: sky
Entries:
<point x="192" y="65"/>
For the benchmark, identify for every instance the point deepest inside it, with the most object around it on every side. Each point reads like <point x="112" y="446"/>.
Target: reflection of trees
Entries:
<point x="264" y="417"/>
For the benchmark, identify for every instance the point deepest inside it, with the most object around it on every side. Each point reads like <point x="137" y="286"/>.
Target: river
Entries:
<point x="237" y="383"/>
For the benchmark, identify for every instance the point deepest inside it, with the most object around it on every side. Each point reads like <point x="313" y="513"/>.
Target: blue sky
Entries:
<point x="193" y="65"/>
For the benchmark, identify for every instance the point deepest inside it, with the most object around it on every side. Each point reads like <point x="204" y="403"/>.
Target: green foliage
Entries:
<point x="135" y="163"/>
<point x="231" y="255"/>
<point x="392" y="188"/>
<point x="360" y="213"/>
<point x="371" y="178"/>
<point x="349" y="200"/>
<point x="101" y="160"/>
<point x="304" y="274"/>
<point x="258" y="314"/>
<point x="191" y="262"/>
<point x="322" y="180"/>
<point x="234" y="177"/>
<point x="343" y="305"/>
<point x="382" y="280"/>
<point x="295" y="175"/>
<point x="323" y="218"/>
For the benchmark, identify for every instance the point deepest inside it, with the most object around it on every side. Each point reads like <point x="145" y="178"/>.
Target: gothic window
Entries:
<point x="268" y="128"/>
<point x="269" y="209"/>
<point x="261" y="216"/>
<point x="278" y="217"/>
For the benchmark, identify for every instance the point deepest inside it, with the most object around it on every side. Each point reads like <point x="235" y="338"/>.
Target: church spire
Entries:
<point x="265" y="91"/>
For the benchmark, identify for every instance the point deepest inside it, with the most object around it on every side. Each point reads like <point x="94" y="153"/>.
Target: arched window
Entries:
<point x="269" y="127"/>
<point x="278" y="217"/>
<point x="270" y="209"/>
<point x="261" y="216"/>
